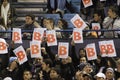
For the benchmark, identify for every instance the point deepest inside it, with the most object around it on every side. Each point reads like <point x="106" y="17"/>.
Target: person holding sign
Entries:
<point x="50" y="25"/>
<point x="67" y="68"/>
<point x="63" y="25"/>
<point x="97" y="19"/>
<point x="30" y="24"/>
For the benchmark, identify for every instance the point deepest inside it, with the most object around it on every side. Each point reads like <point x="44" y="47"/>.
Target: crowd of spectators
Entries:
<point x="50" y="66"/>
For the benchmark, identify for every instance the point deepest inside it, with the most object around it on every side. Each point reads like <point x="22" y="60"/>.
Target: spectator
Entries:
<point x="83" y="60"/>
<point x="50" y="25"/>
<point x="110" y="74"/>
<point x="99" y="63"/>
<point x="117" y="71"/>
<point x="27" y="75"/>
<point x="86" y="68"/>
<point x="111" y="22"/>
<point x="97" y="18"/>
<point x="5" y="13"/>
<point x="30" y="24"/>
<point x="11" y="70"/>
<point x="63" y="25"/>
<point x="87" y="76"/>
<point x="55" y="74"/>
<point x="43" y="22"/>
<point x="46" y="67"/>
<point x="67" y="68"/>
<point x="79" y="75"/>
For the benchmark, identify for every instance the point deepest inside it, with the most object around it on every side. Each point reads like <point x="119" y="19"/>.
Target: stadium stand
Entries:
<point x="9" y="65"/>
<point x="76" y="5"/>
<point x="23" y="7"/>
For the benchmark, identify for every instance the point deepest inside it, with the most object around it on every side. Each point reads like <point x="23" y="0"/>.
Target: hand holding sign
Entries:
<point x="51" y="37"/>
<point x="21" y="55"/>
<point x="77" y="35"/>
<point x="78" y="22"/>
<point x="91" y="51"/>
<point x="35" y="49"/>
<point x="63" y="50"/>
<point x="38" y="34"/>
<point x="3" y="46"/>
<point x="107" y="48"/>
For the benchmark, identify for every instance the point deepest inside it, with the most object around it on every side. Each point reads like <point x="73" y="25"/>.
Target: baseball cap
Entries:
<point x="102" y="75"/>
<point x="7" y="78"/>
<point x="110" y="69"/>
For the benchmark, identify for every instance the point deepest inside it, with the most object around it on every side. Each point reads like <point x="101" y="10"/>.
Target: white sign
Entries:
<point x="63" y="49"/>
<point x="21" y="54"/>
<point x="107" y="48"/>
<point x="38" y="34"/>
<point x="91" y="51"/>
<point x="35" y="49"/>
<point x="3" y="46"/>
<point x="51" y="37"/>
<point x="78" y="22"/>
<point x="16" y="35"/>
<point x="77" y="35"/>
<point x="87" y="3"/>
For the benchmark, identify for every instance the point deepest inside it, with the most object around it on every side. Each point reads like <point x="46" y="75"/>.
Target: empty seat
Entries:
<point x="68" y="17"/>
<point x="76" y="5"/>
<point x="75" y="1"/>
<point x="54" y="16"/>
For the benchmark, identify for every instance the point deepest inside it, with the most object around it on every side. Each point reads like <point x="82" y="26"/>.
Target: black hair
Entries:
<point x="80" y="49"/>
<point x="65" y="23"/>
<point x="48" y="61"/>
<point x="100" y="13"/>
<point x="32" y="16"/>
<point x="57" y="69"/>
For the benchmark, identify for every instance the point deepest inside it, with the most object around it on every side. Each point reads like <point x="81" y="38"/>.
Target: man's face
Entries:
<point x="83" y="60"/>
<point x="109" y="74"/>
<point x="53" y="74"/>
<point x="82" y="53"/>
<point x="110" y="13"/>
<point x="28" y="20"/>
<point x="96" y="17"/>
<point x="27" y="75"/>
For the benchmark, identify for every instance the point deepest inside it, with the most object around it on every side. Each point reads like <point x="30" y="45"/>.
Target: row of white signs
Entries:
<point x="63" y="48"/>
<point x="38" y="33"/>
<point x="107" y="48"/>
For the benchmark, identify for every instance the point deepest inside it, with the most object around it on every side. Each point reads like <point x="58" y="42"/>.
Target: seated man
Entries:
<point x="30" y="24"/>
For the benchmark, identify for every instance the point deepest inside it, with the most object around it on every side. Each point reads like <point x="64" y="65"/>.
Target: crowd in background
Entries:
<point x="50" y="66"/>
